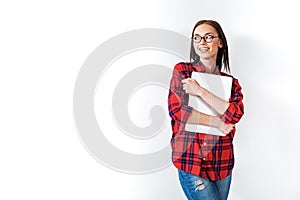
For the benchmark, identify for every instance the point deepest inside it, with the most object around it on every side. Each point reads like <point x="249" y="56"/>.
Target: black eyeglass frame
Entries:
<point x="210" y="37"/>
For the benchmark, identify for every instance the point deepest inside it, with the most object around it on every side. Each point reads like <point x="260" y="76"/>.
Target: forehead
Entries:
<point x="204" y="29"/>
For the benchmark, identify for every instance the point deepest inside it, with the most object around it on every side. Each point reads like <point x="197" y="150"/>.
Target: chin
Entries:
<point x="204" y="55"/>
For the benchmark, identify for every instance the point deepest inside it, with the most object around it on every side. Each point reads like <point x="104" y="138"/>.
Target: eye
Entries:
<point x="209" y="37"/>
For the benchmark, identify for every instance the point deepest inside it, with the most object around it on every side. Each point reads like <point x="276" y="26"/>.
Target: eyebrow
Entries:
<point x="209" y="33"/>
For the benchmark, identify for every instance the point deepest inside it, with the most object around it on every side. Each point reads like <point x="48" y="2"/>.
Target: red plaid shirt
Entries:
<point x="197" y="153"/>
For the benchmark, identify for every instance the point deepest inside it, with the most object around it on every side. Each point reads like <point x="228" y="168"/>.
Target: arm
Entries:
<point x="180" y="111"/>
<point x="235" y="110"/>
<point x="201" y="118"/>
<point x="178" y="99"/>
<point x="230" y="111"/>
<point x="192" y="87"/>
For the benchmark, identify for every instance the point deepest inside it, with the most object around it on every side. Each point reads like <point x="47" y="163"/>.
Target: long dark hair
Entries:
<point x="222" y="55"/>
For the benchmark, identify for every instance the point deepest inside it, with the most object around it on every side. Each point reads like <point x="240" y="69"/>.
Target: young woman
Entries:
<point x="204" y="161"/>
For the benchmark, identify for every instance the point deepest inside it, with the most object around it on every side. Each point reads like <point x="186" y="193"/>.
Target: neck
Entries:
<point x="209" y="64"/>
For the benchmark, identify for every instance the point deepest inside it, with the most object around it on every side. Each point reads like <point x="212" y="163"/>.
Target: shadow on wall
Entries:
<point x="267" y="136"/>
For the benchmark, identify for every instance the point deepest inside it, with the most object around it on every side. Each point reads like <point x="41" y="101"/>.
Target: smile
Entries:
<point x="204" y="49"/>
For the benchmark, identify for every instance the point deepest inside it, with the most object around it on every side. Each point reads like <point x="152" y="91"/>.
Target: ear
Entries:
<point x="220" y="44"/>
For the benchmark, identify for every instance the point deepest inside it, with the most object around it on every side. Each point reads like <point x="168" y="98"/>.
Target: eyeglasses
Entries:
<point x="206" y="38"/>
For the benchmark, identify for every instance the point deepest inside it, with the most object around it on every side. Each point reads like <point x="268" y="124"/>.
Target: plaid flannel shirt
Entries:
<point x="197" y="153"/>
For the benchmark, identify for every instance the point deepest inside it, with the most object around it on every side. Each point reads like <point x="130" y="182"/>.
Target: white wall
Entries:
<point x="43" y="46"/>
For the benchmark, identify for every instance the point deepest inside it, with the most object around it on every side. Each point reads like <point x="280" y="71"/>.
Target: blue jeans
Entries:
<point x="196" y="187"/>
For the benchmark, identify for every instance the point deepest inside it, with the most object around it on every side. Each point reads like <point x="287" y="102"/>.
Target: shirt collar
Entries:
<point x="199" y="67"/>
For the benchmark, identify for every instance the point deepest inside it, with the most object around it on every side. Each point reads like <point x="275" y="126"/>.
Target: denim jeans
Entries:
<point x="196" y="187"/>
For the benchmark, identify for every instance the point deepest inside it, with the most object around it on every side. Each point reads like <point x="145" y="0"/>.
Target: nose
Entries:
<point x="202" y="41"/>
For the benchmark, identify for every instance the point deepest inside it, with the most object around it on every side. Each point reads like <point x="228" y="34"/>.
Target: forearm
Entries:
<point x="216" y="103"/>
<point x="197" y="117"/>
<point x="192" y="87"/>
<point x="201" y="118"/>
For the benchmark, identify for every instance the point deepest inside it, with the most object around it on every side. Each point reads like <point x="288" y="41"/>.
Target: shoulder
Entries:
<point x="225" y="74"/>
<point x="183" y="69"/>
<point x="182" y="66"/>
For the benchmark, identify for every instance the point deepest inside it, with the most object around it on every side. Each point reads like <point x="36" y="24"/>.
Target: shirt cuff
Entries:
<point x="228" y="115"/>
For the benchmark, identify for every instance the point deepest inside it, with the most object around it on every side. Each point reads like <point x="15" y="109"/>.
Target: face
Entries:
<point x="207" y="50"/>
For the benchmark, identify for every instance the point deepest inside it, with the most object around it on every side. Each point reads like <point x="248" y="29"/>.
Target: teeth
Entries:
<point x="203" y="49"/>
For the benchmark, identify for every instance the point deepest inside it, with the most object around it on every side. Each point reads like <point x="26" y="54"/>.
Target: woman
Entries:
<point x="204" y="161"/>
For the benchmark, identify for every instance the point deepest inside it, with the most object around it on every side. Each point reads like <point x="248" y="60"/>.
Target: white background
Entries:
<point x="42" y="47"/>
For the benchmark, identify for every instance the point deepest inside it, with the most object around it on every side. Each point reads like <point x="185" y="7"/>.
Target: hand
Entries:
<point x="225" y="128"/>
<point x="191" y="86"/>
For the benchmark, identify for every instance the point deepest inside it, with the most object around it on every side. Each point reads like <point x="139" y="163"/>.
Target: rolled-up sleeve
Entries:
<point x="235" y="110"/>
<point x="177" y="99"/>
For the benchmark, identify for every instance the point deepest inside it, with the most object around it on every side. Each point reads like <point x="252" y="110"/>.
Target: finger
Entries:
<point x="186" y="91"/>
